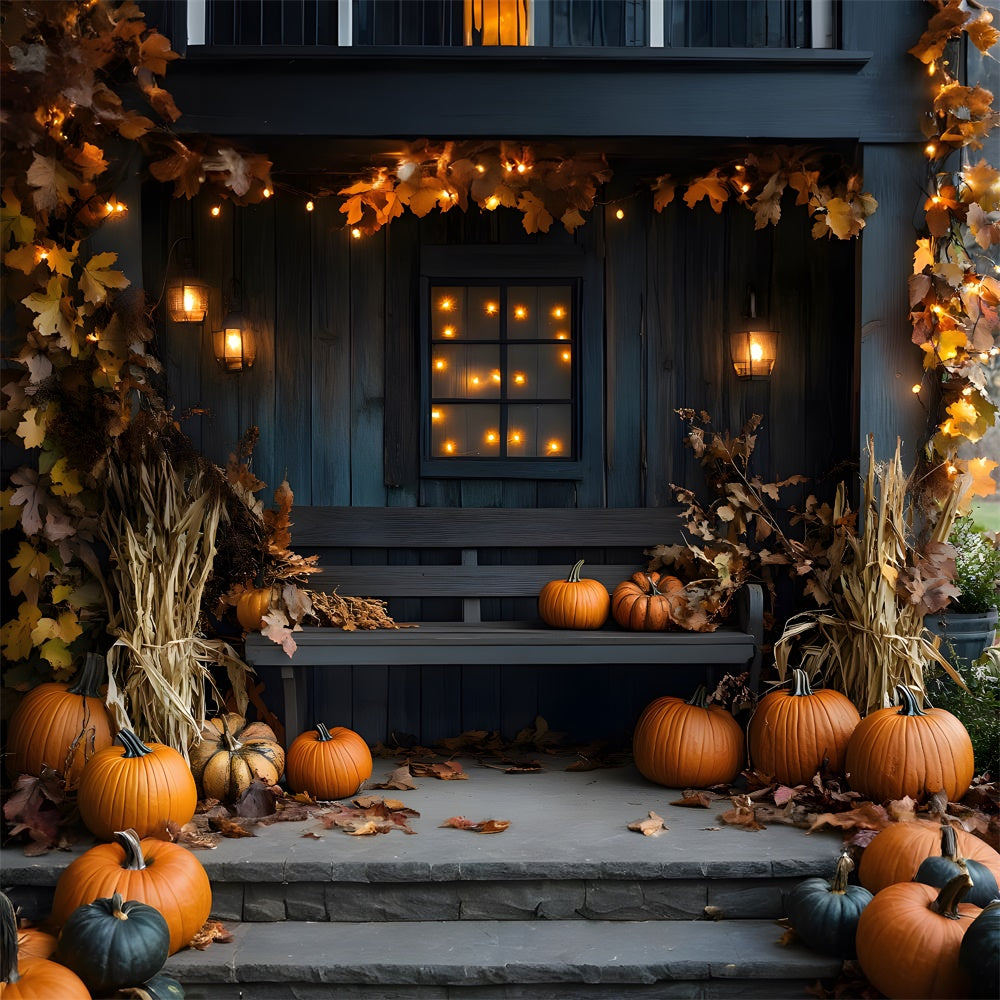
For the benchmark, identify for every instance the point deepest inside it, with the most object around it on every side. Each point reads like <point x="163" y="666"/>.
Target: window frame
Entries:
<point x="505" y="265"/>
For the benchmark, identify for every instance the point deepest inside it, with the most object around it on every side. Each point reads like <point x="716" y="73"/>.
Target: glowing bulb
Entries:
<point x="43" y="255"/>
<point x="188" y="299"/>
<point x="120" y="207"/>
<point x="520" y="312"/>
<point x="952" y="470"/>
<point x="930" y="150"/>
<point x="492" y="202"/>
<point x="356" y="233"/>
<point x="935" y="200"/>
<point x="449" y="447"/>
<point x="309" y="206"/>
<point x="446" y="305"/>
<point x="440" y="365"/>
<point x="92" y="337"/>
<point x="558" y="312"/>
<point x="565" y="355"/>
<point x="509" y="167"/>
<point x="491" y="308"/>
<point x="744" y="188"/>
<point x="967" y="391"/>
<point x="620" y="214"/>
<point x="562" y="336"/>
<point x="915" y="389"/>
<point x="521" y="168"/>
<point x="109" y="207"/>
<point x="448" y="331"/>
<point x="474" y="380"/>
<point x="495" y="375"/>
<point x="554" y="446"/>
<point x="436" y="414"/>
<point x="740" y="168"/>
<point x="756" y="351"/>
<point x="234" y="340"/>
<point x="266" y="192"/>
<point x="519" y="378"/>
<point x="931" y="69"/>
<point x="491" y="437"/>
<point x="514" y="437"/>
<point x="216" y="211"/>
<point x="480" y="169"/>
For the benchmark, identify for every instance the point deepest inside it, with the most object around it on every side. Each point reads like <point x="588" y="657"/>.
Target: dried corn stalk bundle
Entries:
<point x="161" y="513"/>
<point x="872" y="637"/>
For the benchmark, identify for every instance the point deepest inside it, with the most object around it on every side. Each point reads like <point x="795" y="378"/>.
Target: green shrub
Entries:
<point x="977" y="567"/>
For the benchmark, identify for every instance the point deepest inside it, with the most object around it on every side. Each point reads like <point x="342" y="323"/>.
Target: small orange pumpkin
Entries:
<point x="792" y="731"/>
<point x="251" y="606"/>
<point x="574" y="602"/>
<point x="328" y="763"/>
<point x="646" y="601"/>
<point x="156" y="872"/>
<point x="687" y="744"/>
<point x="895" y="752"/>
<point x="137" y="787"/>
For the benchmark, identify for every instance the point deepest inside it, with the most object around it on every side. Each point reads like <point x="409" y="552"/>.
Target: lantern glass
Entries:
<point x="497" y="22"/>
<point x="187" y="301"/>
<point x="753" y="352"/>
<point x="234" y="345"/>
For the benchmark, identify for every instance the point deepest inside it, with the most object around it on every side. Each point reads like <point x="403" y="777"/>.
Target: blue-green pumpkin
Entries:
<point x="824" y="913"/>
<point x="979" y="954"/>
<point x="939" y="870"/>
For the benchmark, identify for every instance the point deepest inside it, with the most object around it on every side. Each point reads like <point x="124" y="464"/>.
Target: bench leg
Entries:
<point x="292" y="722"/>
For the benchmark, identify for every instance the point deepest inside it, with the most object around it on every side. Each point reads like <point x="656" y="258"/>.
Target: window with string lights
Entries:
<point x="504" y="369"/>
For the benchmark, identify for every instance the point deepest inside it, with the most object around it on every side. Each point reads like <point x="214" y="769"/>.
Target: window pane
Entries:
<point x="540" y="431"/>
<point x="460" y="371"/>
<point x="555" y="312"/>
<point x="465" y="430"/>
<point x="542" y="372"/>
<point x="483" y="321"/>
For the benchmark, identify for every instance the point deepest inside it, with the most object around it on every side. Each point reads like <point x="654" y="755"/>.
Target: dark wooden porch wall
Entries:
<point x="334" y="392"/>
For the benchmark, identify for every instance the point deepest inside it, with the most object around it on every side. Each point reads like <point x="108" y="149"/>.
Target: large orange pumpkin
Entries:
<point x="909" y="938"/>
<point x="159" y="873"/>
<point x="328" y="764"/>
<point x="33" y="943"/>
<point x="574" y="602"/>
<point x="60" y="725"/>
<point x="895" y="752"/>
<point x="645" y="602"/>
<point x="136" y="787"/>
<point x="687" y="744"/>
<point x="32" y="978"/>
<point x="895" y="853"/>
<point x="251" y="606"/>
<point x="793" y="731"/>
<point x="233" y="752"/>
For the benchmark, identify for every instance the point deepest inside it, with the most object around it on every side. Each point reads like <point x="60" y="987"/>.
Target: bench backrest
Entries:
<point x="481" y="546"/>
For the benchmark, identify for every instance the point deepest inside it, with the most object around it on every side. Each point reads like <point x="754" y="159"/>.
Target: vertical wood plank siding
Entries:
<point x="334" y="392"/>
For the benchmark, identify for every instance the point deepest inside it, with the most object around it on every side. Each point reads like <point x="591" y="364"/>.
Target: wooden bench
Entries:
<point x="481" y="576"/>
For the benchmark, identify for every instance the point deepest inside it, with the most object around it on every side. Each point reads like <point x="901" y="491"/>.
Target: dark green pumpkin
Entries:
<point x="111" y="943"/>
<point x="979" y="954"/>
<point x="939" y="870"/>
<point x="160" y="987"/>
<point x="824" y="914"/>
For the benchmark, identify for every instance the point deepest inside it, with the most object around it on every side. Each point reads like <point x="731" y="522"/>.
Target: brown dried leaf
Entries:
<point x="260" y="799"/>
<point x="696" y="800"/>
<point x="449" y="770"/>
<point x="399" y="779"/>
<point x="230" y="829"/>
<point x="191" y="835"/>
<point x="211" y="931"/>
<point x="743" y="814"/>
<point x="867" y="816"/>
<point x="652" y="826"/>
<point x="477" y="826"/>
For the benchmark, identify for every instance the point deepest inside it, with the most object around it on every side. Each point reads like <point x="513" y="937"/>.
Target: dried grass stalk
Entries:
<point x="871" y="639"/>
<point x="159" y="523"/>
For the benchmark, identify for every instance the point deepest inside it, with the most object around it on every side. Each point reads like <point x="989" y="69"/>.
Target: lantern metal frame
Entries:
<point x="754" y="349"/>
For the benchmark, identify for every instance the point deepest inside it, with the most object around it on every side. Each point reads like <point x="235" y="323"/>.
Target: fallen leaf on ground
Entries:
<point x="524" y="767"/>
<point x="229" y="828"/>
<point x="449" y="770"/>
<point x="477" y="826"/>
<point x="652" y="826"/>
<point x="39" y="807"/>
<point x="400" y="779"/>
<point x="191" y="835"/>
<point x="212" y="930"/>
<point x="259" y="799"/>
<point x="742" y="814"/>
<point x="375" y="818"/>
<point x="867" y="816"/>
<point x="312" y="835"/>
<point x="696" y="800"/>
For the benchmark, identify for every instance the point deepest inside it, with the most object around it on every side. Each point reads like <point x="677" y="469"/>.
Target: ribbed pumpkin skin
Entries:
<point x="938" y="870"/>
<point x="173" y="881"/>
<point x="908" y="951"/>
<point x="45" y="724"/>
<point x="683" y="745"/>
<point x="892" y="754"/>
<point x="792" y="730"/>
<point x="225" y="766"/>
<point x="644" y="602"/>
<point x="895" y="853"/>
<point x="141" y="793"/>
<point x="251" y="608"/>
<point x="33" y="943"/>
<point x="577" y="602"/>
<point x="979" y="954"/>
<point x="328" y="768"/>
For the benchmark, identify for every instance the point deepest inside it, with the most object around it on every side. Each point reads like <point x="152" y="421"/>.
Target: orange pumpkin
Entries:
<point x="136" y="787"/>
<point x="909" y="938"/>
<point x="895" y="853"/>
<point x="687" y="744"/>
<point x="328" y="764"/>
<point x="31" y="978"/>
<point x="909" y="751"/>
<point x="233" y="752"/>
<point x="574" y="602"/>
<point x="793" y="731"/>
<point x="645" y="602"/>
<point x="158" y="873"/>
<point x="33" y="943"/>
<point x="60" y="725"/>
<point x="251" y="606"/>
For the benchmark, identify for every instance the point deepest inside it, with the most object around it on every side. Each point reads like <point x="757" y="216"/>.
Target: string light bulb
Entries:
<point x="554" y="446"/>
<point x="266" y="192"/>
<point x="491" y="308"/>
<point x="520" y="312"/>
<point x="620" y="214"/>
<point x="915" y="389"/>
<point x="448" y="331"/>
<point x="356" y="233"/>
<point x="436" y="414"/>
<point x="216" y="211"/>
<point x="446" y="304"/>
<point x="930" y="150"/>
<point x="310" y="206"/>
<point x="559" y="312"/>
<point x="449" y="447"/>
<point x="440" y="365"/>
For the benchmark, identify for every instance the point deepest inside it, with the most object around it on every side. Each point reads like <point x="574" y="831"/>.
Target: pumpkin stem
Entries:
<point x="908" y="701"/>
<point x="800" y="684"/>
<point x="128" y="841"/>
<point x="949" y="843"/>
<point x="699" y="699"/>
<point x="231" y="742"/>
<point x="116" y="907"/>
<point x="946" y="904"/>
<point x="322" y="733"/>
<point x="574" y="573"/>
<point x="88" y="681"/>
<point x="845" y="866"/>
<point x="134" y="747"/>
<point x="8" y="941"/>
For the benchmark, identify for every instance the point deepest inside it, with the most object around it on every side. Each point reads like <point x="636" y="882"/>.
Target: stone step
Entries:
<point x="536" y="959"/>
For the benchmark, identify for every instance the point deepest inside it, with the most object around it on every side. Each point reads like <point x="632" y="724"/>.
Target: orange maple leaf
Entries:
<point x="663" y="192"/>
<point x="983" y="484"/>
<point x="711" y="186"/>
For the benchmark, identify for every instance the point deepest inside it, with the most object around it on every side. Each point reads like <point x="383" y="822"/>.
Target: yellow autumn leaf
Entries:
<point x="963" y="414"/>
<point x="923" y="256"/>
<point x="50" y="318"/>
<point x="90" y="159"/>
<point x="15" y="636"/>
<point x="65" y="481"/>
<point x="664" y="189"/>
<point x="425" y="197"/>
<point x="52" y="183"/>
<point x="983" y="483"/>
<point x="982" y="184"/>
<point x="134" y="125"/>
<point x="950" y="342"/>
<point x="536" y="215"/>
<point x="98" y="277"/>
<point x="55" y="651"/>
<point x="951" y="271"/>
<point x="32" y="427"/>
<point x="804" y="182"/>
<point x="710" y="186"/>
<point x="60" y="259"/>
<point x="61" y="592"/>
<point x="23" y="259"/>
<point x="12" y="222"/>
<point x="571" y="219"/>
<point x="841" y="219"/>
<point x="30" y="567"/>
<point x="65" y="627"/>
<point x="9" y="514"/>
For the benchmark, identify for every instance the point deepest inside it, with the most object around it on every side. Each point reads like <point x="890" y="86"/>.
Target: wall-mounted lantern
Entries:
<point x="497" y="22"/>
<point x="754" y="349"/>
<point x="187" y="299"/>
<point x="234" y="345"/>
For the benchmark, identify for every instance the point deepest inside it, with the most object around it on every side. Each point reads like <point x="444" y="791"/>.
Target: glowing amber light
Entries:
<point x="491" y="308"/>
<point x="554" y="446"/>
<point x="915" y="389"/>
<point x="440" y="364"/>
<point x="446" y="305"/>
<point x="480" y="169"/>
<point x="756" y="351"/>
<point x="558" y="312"/>
<point x="952" y="470"/>
<point x="43" y="255"/>
<point x="620" y="214"/>
<point x="519" y="378"/>
<point x="449" y="447"/>
<point x="520" y="312"/>
<point x="514" y="437"/>
<point x="744" y="188"/>
<point x="495" y="375"/>
<point x="930" y="149"/>
<point x="562" y="336"/>
<point x="216" y="211"/>
<point x="436" y="414"/>
<point x="266" y="192"/>
<point x="474" y="380"/>
<point x="491" y="437"/>
<point x="356" y="233"/>
<point x="492" y="202"/>
<point x="448" y="331"/>
<point x="565" y="355"/>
